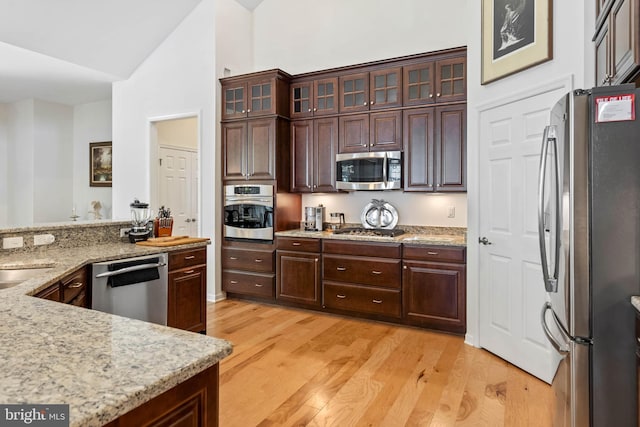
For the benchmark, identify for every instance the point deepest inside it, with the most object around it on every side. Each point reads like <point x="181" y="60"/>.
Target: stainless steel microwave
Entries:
<point x="378" y="170"/>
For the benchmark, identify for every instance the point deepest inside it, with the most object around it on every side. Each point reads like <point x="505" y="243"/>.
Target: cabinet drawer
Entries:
<point x="300" y="245"/>
<point x="435" y="253"/>
<point x="74" y="285"/>
<point x="367" y="271"/>
<point x="261" y="285"/>
<point x="51" y="293"/>
<point x="362" y="299"/>
<point x="244" y="259"/>
<point x="182" y="259"/>
<point x="384" y="250"/>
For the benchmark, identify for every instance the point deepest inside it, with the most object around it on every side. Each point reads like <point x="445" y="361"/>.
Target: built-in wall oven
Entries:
<point x="248" y="211"/>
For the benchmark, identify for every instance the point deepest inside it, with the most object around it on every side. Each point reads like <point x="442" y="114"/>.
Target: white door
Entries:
<point x="511" y="290"/>
<point x="178" y="188"/>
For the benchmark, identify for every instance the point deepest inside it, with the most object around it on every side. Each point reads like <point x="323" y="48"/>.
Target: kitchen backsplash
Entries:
<point x="413" y="209"/>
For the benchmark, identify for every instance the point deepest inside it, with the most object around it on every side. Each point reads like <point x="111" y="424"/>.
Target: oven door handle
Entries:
<point x="130" y="269"/>
<point x="262" y="202"/>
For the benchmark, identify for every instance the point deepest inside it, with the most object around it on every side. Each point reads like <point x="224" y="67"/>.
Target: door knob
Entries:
<point x="484" y="241"/>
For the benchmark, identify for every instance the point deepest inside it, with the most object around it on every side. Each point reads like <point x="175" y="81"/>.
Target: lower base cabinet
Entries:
<point x="298" y="272"/>
<point x="191" y="403"/>
<point x="73" y="289"/>
<point x="188" y="290"/>
<point x="248" y="269"/>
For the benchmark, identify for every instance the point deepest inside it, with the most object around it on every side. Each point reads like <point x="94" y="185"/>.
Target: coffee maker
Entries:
<point x="142" y="227"/>
<point x="313" y="218"/>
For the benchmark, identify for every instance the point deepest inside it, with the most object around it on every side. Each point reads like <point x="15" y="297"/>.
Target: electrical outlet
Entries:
<point x="124" y="232"/>
<point x="452" y="212"/>
<point x="12" y="242"/>
<point x="43" y="239"/>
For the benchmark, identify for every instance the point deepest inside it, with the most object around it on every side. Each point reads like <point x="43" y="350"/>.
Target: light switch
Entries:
<point x="452" y="212"/>
<point x="12" y="242"/>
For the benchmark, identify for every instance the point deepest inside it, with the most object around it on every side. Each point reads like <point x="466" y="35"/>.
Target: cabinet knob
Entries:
<point x="309" y="110"/>
<point x="243" y="111"/>
<point x="404" y="267"/>
<point x="371" y="103"/>
<point x="308" y="186"/>
<point x="315" y="109"/>
<point x="438" y="95"/>
<point x="248" y="111"/>
<point x="430" y="95"/>
<point x="365" y="103"/>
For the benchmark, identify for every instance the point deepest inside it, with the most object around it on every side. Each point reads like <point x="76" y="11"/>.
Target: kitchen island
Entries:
<point x="103" y="366"/>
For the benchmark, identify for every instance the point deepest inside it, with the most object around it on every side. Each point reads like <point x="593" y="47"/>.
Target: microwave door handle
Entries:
<point x="549" y="286"/>
<point x="562" y="349"/>
<point x="384" y="168"/>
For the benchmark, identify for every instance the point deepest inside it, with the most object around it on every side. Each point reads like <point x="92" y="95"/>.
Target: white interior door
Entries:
<point x="511" y="290"/>
<point x="178" y="188"/>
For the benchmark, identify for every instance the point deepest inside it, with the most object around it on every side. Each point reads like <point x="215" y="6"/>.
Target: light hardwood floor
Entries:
<point x="293" y="367"/>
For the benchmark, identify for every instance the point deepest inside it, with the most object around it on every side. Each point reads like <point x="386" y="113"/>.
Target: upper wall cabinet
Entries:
<point x="255" y="95"/>
<point x="617" y="42"/>
<point x="314" y="98"/>
<point x="371" y="90"/>
<point x="435" y="81"/>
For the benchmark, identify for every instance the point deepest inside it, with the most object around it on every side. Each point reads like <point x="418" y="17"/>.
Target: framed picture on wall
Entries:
<point x="100" y="166"/>
<point x="516" y="35"/>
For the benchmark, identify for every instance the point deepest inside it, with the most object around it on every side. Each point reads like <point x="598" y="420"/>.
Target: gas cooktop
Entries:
<point x="361" y="231"/>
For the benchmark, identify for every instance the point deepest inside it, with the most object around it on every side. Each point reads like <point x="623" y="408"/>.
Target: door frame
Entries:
<point x="566" y="82"/>
<point x="154" y="150"/>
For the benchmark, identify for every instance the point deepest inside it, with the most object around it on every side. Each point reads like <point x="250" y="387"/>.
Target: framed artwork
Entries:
<point x="100" y="166"/>
<point x="516" y="35"/>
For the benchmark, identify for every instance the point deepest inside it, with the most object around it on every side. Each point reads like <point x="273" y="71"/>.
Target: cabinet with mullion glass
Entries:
<point x="255" y="95"/>
<point x="435" y="81"/>
<point x="370" y="91"/>
<point x="314" y="98"/>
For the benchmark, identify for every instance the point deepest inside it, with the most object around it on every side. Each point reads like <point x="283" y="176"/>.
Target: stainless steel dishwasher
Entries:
<point x="132" y="287"/>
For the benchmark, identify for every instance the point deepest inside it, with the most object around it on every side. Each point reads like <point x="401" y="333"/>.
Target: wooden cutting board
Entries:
<point x="171" y="241"/>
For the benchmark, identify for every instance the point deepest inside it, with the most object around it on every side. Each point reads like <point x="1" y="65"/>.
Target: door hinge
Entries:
<point x="160" y="162"/>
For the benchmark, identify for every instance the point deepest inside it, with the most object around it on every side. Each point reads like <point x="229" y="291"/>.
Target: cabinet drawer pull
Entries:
<point x="341" y="296"/>
<point x="376" y="272"/>
<point x="377" y="301"/>
<point x="432" y="253"/>
<point x="296" y="244"/>
<point x="76" y="285"/>
<point x="341" y="268"/>
<point x="258" y="285"/>
<point x="189" y="271"/>
<point x="190" y="257"/>
<point x="232" y="258"/>
<point x="257" y="260"/>
<point x="233" y="282"/>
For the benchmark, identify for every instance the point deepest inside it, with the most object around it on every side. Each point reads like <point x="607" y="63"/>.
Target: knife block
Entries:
<point x="162" y="227"/>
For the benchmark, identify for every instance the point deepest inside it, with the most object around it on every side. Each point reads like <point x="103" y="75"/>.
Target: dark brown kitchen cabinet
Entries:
<point x="435" y="152"/>
<point x="435" y="81"/>
<point x="248" y="269"/>
<point x="617" y="42"/>
<point x="250" y="148"/>
<point x="638" y="365"/>
<point x="379" y="131"/>
<point x="194" y="402"/>
<point x="434" y="287"/>
<point x="314" y="144"/>
<point x="314" y="98"/>
<point x="362" y="278"/>
<point x="73" y="289"/>
<point x="369" y="91"/>
<point x="298" y="275"/>
<point x="188" y="290"/>
<point x="257" y="94"/>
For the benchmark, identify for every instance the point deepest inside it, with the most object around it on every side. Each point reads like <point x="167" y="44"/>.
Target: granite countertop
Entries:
<point x="635" y="301"/>
<point x="441" y="236"/>
<point x="100" y="364"/>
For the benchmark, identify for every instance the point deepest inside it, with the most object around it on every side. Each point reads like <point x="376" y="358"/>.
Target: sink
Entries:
<point x="13" y="277"/>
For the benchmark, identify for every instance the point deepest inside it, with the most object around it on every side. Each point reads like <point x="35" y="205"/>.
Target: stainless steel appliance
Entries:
<point x="314" y="218"/>
<point x="132" y="287"/>
<point x="380" y="170"/>
<point x="141" y="228"/>
<point x="589" y="233"/>
<point x="336" y="220"/>
<point x="248" y="212"/>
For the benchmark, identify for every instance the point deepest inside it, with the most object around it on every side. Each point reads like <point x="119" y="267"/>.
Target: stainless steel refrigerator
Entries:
<point x="589" y="232"/>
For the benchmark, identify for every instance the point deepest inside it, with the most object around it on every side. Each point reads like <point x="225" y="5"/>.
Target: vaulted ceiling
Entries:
<point x="70" y="51"/>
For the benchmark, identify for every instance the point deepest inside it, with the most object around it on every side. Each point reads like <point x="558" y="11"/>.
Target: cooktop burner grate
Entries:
<point x="361" y="231"/>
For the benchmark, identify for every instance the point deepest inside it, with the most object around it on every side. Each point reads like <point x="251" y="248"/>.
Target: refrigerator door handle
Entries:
<point x="562" y="349"/>
<point x="550" y="283"/>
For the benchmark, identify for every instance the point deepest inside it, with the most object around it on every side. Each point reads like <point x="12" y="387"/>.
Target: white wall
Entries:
<point x="4" y="165"/>
<point x="305" y="35"/>
<point x="91" y="123"/>
<point x="20" y="130"/>
<point x="573" y="57"/>
<point x="52" y="162"/>
<point x="234" y="39"/>
<point x="178" y="78"/>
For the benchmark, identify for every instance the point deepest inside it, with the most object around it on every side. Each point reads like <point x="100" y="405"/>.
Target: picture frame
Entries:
<point x="516" y="35"/>
<point x="100" y="164"/>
